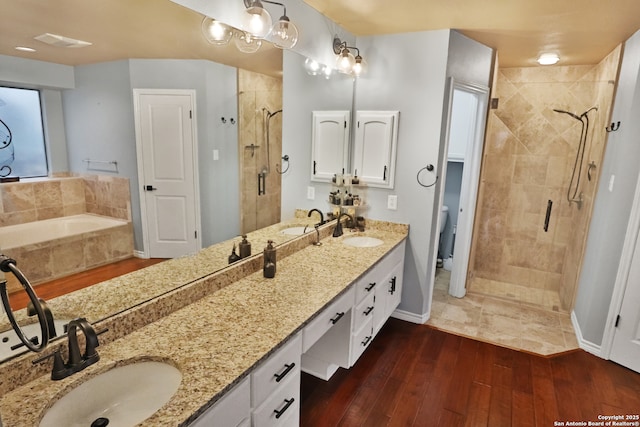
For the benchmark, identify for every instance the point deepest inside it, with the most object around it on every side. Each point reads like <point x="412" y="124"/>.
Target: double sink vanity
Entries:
<point x="228" y="349"/>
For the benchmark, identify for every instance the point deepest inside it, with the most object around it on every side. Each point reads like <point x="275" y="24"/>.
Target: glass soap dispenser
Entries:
<point x="269" y="269"/>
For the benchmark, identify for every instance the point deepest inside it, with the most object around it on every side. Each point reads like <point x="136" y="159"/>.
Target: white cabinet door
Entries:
<point x="233" y="409"/>
<point x="329" y="144"/>
<point x="375" y="147"/>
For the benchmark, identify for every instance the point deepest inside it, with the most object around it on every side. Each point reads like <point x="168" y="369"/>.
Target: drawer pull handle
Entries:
<point x="288" y="402"/>
<point x="338" y="317"/>
<point x="284" y="373"/>
<point x="368" y="311"/>
<point x="393" y="285"/>
<point x="366" y="341"/>
<point x="371" y="286"/>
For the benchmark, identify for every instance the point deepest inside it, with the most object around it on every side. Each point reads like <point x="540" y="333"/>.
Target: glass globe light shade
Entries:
<point x="345" y="61"/>
<point x="284" y="34"/>
<point x="257" y="20"/>
<point x="216" y="32"/>
<point x="359" y="67"/>
<point x="247" y="43"/>
<point x="312" y="67"/>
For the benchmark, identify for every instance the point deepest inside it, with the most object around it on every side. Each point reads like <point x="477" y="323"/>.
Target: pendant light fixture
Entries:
<point x="216" y="32"/>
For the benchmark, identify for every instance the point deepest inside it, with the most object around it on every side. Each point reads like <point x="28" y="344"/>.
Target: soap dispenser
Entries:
<point x="269" y="269"/>
<point x="234" y="256"/>
<point x="245" y="247"/>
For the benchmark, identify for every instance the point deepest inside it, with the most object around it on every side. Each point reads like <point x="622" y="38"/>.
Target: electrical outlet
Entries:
<point x="392" y="202"/>
<point x="311" y="193"/>
<point x="216" y="155"/>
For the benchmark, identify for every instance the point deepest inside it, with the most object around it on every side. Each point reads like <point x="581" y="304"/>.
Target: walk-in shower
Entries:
<point x="574" y="183"/>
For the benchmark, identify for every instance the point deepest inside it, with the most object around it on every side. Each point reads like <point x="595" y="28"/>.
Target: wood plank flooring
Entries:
<point x="81" y="280"/>
<point x="415" y="375"/>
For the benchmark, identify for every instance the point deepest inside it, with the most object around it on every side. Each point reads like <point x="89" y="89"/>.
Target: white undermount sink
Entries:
<point x="125" y="396"/>
<point x="295" y="231"/>
<point x="362" y="241"/>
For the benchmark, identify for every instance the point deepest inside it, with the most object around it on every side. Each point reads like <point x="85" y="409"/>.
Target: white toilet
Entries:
<point x="443" y="217"/>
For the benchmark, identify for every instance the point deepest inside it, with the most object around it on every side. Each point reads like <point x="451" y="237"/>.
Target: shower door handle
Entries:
<point x="548" y="216"/>
<point x="261" y="184"/>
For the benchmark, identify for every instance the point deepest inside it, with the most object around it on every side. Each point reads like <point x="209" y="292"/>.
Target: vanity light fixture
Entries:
<point x="346" y="62"/>
<point x="256" y="19"/>
<point x="216" y="32"/>
<point x="548" y="59"/>
<point x="247" y="43"/>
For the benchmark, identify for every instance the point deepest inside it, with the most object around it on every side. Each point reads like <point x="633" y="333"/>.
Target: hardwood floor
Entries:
<point x="81" y="280"/>
<point x="414" y="375"/>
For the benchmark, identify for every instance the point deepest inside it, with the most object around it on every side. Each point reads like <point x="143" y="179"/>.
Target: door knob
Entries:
<point x="149" y="188"/>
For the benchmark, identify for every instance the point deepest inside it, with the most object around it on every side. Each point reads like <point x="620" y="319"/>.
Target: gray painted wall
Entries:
<point x="612" y="209"/>
<point x="99" y="120"/>
<point x="301" y="95"/>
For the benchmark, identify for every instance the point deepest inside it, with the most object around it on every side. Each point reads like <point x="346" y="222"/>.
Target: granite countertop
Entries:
<point x="218" y="340"/>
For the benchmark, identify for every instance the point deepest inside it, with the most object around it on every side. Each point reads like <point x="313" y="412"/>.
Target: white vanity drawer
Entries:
<point x="282" y="408"/>
<point x="363" y="312"/>
<point x="233" y="409"/>
<point x="280" y="366"/>
<point x="361" y="340"/>
<point x="367" y="284"/>
<point x="325" y="320"/>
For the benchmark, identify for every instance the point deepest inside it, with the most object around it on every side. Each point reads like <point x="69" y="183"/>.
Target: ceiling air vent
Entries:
<point x="61" y="41"/>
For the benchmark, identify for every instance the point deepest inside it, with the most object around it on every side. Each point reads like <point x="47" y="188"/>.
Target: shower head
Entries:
<point x="567" y="112"/>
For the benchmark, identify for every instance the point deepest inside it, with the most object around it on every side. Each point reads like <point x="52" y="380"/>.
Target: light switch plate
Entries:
<point x="216" y="155"/>
<point x="311" y="193"/>
<point x="392" y="202"/>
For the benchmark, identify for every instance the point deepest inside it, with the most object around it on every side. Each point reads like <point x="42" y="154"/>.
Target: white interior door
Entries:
<point x="626" y="339"/>
<point x="467" y="115"/>
<point x="167" y="171"/>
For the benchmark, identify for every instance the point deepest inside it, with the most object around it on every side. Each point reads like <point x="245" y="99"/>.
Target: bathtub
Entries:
<point x="53" y="248"/>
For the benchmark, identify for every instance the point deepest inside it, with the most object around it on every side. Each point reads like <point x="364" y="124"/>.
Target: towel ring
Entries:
<point x="429" y="168"/>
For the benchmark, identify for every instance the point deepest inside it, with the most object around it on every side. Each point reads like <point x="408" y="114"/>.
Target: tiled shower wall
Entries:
<point x="37" y="200"/>
<point x="255" y="92"/>
<point x="529" y="156"/>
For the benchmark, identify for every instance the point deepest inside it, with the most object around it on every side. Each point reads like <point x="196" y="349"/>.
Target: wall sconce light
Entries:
<point x="247" y="43"/>
<point x="257" y="21"/>
<point x="346" y="62"/>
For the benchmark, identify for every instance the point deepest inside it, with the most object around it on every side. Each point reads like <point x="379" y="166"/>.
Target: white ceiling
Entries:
<point x="580" y="31"/>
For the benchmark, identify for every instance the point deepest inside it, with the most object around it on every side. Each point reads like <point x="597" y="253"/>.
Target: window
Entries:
<point x="22" y="148"/>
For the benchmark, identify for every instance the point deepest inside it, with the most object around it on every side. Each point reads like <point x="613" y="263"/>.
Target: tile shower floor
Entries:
<point x="510" y="323"/>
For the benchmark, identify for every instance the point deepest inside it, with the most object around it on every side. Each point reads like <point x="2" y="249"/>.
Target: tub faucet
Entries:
<point x="319" y="212"/>
<point x="337" y="232"/>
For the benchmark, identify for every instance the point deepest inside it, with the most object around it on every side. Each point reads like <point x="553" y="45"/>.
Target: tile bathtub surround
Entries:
<point x="529" y="155"/>
<point x="44" y="198"/>
<point x="509" y="323"/>
<point x="193" y="272"/>
<point x="228" y="332"/>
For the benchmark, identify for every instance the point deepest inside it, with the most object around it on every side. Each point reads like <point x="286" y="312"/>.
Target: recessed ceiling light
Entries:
<point x="61" y="41"/>
<point x="25" y="49"/>
<point x="548" y="59"/>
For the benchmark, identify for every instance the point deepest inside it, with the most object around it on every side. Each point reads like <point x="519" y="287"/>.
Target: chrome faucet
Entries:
<point x="337" y="232"/>
<point x="77" y="361"/>
<point x="319" y="212"/>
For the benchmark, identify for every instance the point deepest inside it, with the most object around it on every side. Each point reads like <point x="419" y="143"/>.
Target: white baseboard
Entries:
<point x="584" y="344"/>
<point x="420" y="319"/>
<point x="140" y="254"/>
